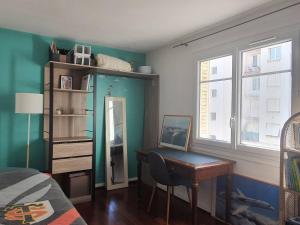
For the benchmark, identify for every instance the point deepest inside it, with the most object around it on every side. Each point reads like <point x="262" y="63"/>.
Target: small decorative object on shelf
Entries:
<point x="66" y="82"/>
<point x="58" y="54"/>
<point x="59" y="111"/>
<point x="145" y="69"/>
<point x="290" y="171"/>
<point x="82" y="55"/>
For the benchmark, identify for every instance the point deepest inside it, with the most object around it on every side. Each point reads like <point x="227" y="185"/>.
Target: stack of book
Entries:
<point x="292" y="173"/>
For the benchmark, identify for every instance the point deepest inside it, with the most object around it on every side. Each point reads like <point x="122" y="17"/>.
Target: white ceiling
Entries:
<point x="137" y="25"/>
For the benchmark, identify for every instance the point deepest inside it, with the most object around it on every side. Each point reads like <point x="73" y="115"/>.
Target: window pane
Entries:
<point x="264" y="110"/>
<point x="267" y="59"/>
<point x="218" y="68"/>
<point x="215" y="110"/>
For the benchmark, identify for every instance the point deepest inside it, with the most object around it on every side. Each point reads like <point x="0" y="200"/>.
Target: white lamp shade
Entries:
<point x="29" y="103"/>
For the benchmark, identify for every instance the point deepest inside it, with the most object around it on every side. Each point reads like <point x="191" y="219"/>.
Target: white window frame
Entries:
<point x="214" y="54"/>
<point x="240" y="146"/>
<point x="235" y="49"/>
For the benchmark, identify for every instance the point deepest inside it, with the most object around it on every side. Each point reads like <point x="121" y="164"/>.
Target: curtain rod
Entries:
<point x="233" y="26"/>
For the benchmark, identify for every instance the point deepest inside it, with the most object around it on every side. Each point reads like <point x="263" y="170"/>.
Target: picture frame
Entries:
<point x="66" y="82"/>
<point x="175" y="131"/>
<point x="296" y="127"/>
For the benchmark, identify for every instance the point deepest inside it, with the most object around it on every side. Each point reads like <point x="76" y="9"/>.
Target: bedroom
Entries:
<point x="81" y="80"/>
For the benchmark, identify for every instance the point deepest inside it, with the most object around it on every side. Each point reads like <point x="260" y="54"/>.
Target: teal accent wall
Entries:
<point x="22" y="60"/>
<point x="133" y="91"/>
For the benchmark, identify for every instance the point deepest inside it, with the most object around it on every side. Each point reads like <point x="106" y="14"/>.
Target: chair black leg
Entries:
<point x="168" y="204"/>
<point x="151" y="198"/>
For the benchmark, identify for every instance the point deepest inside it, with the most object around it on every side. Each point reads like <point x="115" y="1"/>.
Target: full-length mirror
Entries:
<point x="116" y="143"/>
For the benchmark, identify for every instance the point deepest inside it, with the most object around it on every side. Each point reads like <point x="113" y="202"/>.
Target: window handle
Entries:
<point x="232" y="121"/>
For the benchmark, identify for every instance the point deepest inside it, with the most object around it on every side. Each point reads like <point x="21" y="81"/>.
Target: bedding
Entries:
<point x="30" y="197"/>
<point x="112" y="63"/>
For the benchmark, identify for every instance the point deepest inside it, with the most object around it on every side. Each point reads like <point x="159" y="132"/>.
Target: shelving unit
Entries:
<point x="69" y="138"/>
<point x="289" y="198"/>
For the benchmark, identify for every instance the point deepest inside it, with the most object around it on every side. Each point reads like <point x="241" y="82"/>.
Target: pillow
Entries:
<point x="112" y="63"/>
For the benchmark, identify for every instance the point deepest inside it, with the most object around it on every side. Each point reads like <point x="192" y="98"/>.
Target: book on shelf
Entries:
<point x="292" y="172"/>
<point x="85" y="82"/>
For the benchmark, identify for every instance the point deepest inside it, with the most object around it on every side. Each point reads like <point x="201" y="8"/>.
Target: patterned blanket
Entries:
<point x="30" y="197"/>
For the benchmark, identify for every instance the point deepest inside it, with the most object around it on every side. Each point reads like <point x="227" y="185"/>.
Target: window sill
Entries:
<point x="250" y="154"/>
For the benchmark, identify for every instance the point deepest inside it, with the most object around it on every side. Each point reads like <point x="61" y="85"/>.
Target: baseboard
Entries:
<point x="99" y="185"/>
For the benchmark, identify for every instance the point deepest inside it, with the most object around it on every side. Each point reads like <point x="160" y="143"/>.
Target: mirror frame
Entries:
<point x="109" y="185"/>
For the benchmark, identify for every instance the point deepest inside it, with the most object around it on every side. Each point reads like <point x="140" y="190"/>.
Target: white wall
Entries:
<point x="178" y="85"/>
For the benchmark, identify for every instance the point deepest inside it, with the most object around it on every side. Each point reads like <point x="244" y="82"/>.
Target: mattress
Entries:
<point x="30" y="197"/>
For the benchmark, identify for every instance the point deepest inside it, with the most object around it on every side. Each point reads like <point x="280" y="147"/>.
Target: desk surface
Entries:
<point x="192" y="158"/>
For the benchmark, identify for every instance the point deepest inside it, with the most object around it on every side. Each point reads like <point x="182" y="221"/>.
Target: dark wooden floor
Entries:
<point x="121" y="207"/>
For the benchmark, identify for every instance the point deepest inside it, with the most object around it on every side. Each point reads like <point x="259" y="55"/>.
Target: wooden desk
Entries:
<point x="195" y="166"/>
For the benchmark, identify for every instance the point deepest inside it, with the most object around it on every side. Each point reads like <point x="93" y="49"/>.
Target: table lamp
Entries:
<point x="29" y="103"/>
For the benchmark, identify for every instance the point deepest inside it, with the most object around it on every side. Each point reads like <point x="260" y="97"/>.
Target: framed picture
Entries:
<point x="65" y="82"/>
<point x="175" y="132"/>
<point x="297" y="135"/>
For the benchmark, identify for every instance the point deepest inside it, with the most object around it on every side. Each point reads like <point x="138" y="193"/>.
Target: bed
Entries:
<point x="30" y="197"/>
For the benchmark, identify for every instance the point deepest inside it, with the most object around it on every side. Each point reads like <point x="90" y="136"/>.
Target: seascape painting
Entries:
<point x="175" y="132"/>
<point x="253" y="202"/>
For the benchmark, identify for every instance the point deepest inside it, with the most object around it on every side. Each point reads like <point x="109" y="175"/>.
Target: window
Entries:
<point x="262" y="98"/>
<point x="273" y="102"/>
<point x="273" y="81"/>
<point x="214" y="70"/>
<point x="273" y="105"/>
<point x="214" y="93"/>
<point x="215" y="110"/>
<point x="256" y="84"/>
<point x="272" y="129"/>
<point x="213" y="137"/>
<point x="254" y="61"/>
<point x="213" y="116"/>
<point x="275" y="53"/>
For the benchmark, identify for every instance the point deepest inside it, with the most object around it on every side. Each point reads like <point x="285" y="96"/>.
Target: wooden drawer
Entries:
<point x="72" y="149"/>
<point x="71" y="164"/>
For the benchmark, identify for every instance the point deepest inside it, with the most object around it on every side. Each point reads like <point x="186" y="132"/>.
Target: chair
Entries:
<point x="162" y="175"/>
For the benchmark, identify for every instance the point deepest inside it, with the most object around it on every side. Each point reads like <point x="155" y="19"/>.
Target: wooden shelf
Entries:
<point x="68" y="115"/>
<point x="70" y="139"/>
<point x="71" y="91"/>
<point x="98" y="70"/>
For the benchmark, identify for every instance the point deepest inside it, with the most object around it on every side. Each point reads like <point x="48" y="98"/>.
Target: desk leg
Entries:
<point x="139" y="174"/>
<point x="228" y="197"/>
<point x="195" y="188"/>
